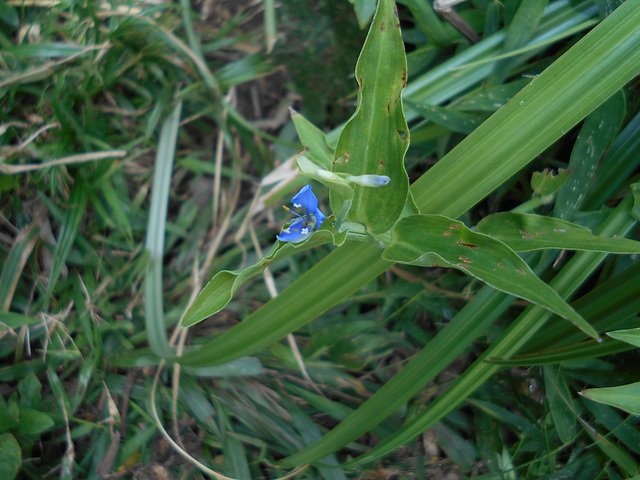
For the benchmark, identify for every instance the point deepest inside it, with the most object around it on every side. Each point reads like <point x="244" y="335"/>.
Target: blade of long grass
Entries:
<point x="15" y="262"/>
<point x="73" y="216"/>
<point x="153" y="289"/>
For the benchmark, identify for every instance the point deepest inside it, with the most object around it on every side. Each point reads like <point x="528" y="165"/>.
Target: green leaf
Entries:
<point x="447" y="117"/>
<point x="313" y="140"/>
<point x="10" y="457"/>
<point x="525" y="232"/>
<point x="580" y="351"/>
<point x="30" y="390"/>
<point x="77" y="205"/>
<point x="364" y="11"/>
<point x="34" y="422"/>
<point x="631" y="336"/>
<point x="14" y="264"/>
<point x="312" y="295"/>
<point x="375" y="139"/>
<point x="430" y="240"/>
<point x="561" y="403"/>
<point x="597" y="132"/>
<point x="635" y="191"/>
<point x="153" y="287"/>
<point x="520" y="31"/>
<point x="613" y="451"/>
<point x="9" y="415"/>
<point x="219" y="291"/>
<point x="620" y="162"/>
<point x="546" y="183"/>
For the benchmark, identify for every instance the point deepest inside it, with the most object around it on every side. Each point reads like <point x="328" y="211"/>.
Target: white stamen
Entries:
<point x="297" y="205"/>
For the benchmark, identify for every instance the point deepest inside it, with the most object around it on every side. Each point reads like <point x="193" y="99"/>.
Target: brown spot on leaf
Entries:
<point x="446" y="233"/>
<point x="344" y="158"/>
<point x="453" y="226"/>
<point x="523" y="232"/>
<point x="468" y="245"/>
<point x="465" y="259"/>
<point x="501" y="265"/>
<point x="559" y="230"/>
<point x="521" y="271"/>
<point x="462" y="265"/>
<point x="529" y="237"/>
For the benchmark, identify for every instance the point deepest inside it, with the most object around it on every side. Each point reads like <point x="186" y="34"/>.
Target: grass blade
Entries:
<point x="153" y="290"/>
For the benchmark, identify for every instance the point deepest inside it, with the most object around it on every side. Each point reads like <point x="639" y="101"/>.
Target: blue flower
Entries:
<point x="302" y="227"/>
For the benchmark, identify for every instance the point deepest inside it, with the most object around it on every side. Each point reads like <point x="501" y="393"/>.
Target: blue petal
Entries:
<point x="294" y="232"/>
<point x="319" y="218"/>
<point x="305" y="199"/>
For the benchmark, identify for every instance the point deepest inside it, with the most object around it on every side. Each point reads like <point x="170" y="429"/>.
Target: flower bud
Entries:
<point x="369" y="180"/>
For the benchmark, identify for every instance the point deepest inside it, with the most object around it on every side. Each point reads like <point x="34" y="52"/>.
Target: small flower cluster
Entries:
<point x="302" y="227"/>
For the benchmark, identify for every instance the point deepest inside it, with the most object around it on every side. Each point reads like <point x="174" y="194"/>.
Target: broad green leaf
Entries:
<point x="375" y="139"/>
<point x="631" y="336"/>
<point x="597" y="132"/>
<point x="525" y="232"/>
<point x="30" y="390"/>
<point x="10" y="457"/>
<point x="34" y="422"/>
<point x="546" y="182"/>
<point x="435" y="240"/>
<point x="219" y="291"/>
<point x="313" y="140"/>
